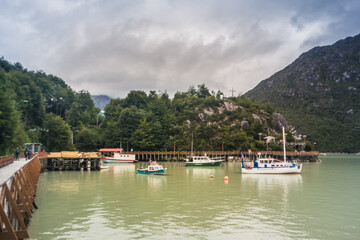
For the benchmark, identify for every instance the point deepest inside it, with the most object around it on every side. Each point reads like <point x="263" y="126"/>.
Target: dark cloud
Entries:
<point x="112" y="47"/>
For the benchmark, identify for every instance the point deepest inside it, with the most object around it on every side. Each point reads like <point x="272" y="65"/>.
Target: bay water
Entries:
<point x="323" y="202"/>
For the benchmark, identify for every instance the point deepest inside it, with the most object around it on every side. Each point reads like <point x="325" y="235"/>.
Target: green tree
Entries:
<point x="203" y="91"/>
<point x="87" y="140"/>
<point x="138" y="99"/>
<point x="143" y="138"/>
<point x="9" y="119"/>
<point x="56" y="134"/>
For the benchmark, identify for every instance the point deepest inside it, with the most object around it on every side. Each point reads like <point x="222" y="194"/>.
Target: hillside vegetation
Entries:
<point x="156" y="122"/>
<point x="319" y="93"/>
<point x="38" y="107"/>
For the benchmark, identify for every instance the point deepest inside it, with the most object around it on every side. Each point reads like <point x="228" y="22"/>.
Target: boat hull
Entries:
<point x="272" y="170"/>
<point x="207" y="164"/>
<point x="114" y="160"/>
<point x="146" y="171"/>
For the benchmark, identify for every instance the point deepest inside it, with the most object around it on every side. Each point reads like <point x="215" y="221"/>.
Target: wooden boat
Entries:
<point x="153" y="167"/>
<point x="202" y="161"/>
<point x="270" y="165"/>
<point x="116" y="155"/>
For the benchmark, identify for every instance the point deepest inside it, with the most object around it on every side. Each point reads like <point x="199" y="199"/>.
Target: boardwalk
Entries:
<point x="17" y="196"/>
<point x="8" y="171"/>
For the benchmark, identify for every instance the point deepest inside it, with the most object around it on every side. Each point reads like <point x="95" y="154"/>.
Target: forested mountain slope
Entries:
<point x="38" y="107"/>
<point x="154" y="121"/>
<point x="319" y="93"/>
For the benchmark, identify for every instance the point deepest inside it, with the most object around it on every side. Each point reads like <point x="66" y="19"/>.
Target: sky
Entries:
<point x="111" y="47"/>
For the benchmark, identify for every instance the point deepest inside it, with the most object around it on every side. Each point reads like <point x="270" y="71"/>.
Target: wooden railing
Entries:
<point x="17" y="201"/>
<point x="6" y="160"/>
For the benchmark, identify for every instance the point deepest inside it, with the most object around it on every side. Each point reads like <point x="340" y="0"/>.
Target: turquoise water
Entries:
<point x="117" y="203"/>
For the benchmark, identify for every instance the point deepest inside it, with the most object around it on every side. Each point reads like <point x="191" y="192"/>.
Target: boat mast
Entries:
<point x="121" y="141"/>
<point x="283" y="129"/>
<point x="192" y="143"/>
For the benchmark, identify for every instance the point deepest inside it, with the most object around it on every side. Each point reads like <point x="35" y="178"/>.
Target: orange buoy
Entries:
<point x="211" y="176"/>
<point x="226" y="178"/>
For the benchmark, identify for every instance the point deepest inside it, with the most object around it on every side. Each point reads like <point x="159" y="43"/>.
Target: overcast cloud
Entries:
<point x="111" y="46"/>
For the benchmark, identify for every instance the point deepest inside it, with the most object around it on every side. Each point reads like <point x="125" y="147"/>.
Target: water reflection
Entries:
<point x="153" y="181"/>
<point x="200" y="172"/>
<point x="272" y="180"/>
<point x="120" y="168"/>
<point x="68" y="187"/>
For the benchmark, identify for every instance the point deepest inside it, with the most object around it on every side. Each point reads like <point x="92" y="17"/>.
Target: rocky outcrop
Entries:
<point x="244" y="125"/>
<point x="279" y="121"/>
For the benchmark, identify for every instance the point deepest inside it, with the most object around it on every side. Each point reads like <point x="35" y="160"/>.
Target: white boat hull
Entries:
<point x="117" y="160"/>
<point x="272" y="170"/>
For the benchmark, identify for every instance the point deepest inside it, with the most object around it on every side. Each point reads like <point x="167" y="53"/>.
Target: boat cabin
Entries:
<point x="116" y="155"/>
<point x="271" y="162"/>
<point x="203" y="159"/>
<point x="199" y="159"/>
<point x="155" y="167"/>
<point x="113" y="152"/>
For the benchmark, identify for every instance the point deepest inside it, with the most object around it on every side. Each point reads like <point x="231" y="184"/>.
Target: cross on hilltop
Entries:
<point x="232" y="92"/>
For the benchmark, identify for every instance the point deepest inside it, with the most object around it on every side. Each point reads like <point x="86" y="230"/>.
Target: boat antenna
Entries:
<point x="284" y="139"/>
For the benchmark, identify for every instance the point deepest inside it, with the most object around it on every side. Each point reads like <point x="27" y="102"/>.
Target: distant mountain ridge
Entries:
<point x="100" y="101"/>
<point x="319" y="93"/>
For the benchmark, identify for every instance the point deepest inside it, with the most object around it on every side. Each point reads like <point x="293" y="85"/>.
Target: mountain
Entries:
<point x="319" y="93"/>
<point x="100" y="101"/>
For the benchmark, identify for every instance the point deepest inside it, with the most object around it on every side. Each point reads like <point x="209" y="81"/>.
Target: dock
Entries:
<point x="70" y="160"/>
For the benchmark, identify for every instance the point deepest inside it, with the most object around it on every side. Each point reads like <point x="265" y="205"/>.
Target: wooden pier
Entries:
<point x="70" y="160"/>
<point x="227" y="155"/>
<point x="17" y="197"/>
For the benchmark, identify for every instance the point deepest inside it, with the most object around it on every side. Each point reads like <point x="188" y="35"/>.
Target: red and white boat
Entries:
<point x="116" y="155"/>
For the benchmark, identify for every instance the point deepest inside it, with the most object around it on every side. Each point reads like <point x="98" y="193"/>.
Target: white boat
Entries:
<point x="202" y="161"/>
<point x="116" y="155"/>
<point x="270" y="165"/>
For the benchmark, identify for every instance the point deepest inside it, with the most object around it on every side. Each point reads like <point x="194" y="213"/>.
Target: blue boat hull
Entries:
<point x="145" y="171"/>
